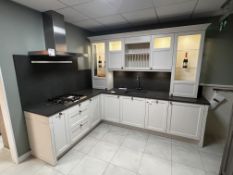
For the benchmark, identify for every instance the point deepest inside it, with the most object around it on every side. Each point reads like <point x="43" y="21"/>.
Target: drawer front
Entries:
<point x="79" y="129"/>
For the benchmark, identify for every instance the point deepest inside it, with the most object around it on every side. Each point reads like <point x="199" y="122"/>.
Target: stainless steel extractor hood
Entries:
<point x="55" y="41"/>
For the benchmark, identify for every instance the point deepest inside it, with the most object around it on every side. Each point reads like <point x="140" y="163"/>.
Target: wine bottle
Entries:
<point x="185" y="61"/>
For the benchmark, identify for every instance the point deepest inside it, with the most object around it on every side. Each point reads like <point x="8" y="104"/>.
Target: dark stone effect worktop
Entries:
<point x="49" y="109"/>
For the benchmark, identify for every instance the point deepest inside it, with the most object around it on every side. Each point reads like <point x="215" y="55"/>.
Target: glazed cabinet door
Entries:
<point x="157" y="114"/>
<point x="61" y="139"/>
<point x="115" y="54"/>
<point x="111" y="108"/>
<point x="133" y="111"/>
<point x="162" y="52"/>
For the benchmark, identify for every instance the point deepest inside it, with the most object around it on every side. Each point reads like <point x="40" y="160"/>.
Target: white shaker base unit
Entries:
<point x="50" y="137"/>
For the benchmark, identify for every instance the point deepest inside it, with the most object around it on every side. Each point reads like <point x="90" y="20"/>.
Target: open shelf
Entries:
<point x="137" y="55"/>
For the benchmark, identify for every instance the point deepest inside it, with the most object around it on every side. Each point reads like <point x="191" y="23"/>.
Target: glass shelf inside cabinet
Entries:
<point x="137" y="55"/>
<point x="99" y="59"/>
<point x="115" y="46"/>
<point x="188" y="48"/>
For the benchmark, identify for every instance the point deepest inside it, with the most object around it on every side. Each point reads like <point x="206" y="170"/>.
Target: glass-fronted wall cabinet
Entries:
<point x="115" y="54"/>
<point x="98" y="50"/>
<point x="101" y="77"/>
<point x="187" y="64"/>
<point x="162" y="52"/>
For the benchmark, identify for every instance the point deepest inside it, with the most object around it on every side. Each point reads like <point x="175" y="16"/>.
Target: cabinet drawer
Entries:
<point x="83" y="106"/>
<point x="79" y="129"/>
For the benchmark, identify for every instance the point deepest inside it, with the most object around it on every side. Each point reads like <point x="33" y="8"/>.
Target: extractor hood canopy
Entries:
<point x="55" y="39"/>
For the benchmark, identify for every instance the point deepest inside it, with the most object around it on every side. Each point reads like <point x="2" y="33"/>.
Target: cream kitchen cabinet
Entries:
<point x="187" y="64"/>
<point x="116" y="54"/>
<point x="187" y="120"/>
<point x="162" y="52"/>
<point x="111" y="108"/>
<point x="133" y="111"/>
<point x="94" y="111"/>
<point x="157" y="114"/>
<point x="61" y="137"/>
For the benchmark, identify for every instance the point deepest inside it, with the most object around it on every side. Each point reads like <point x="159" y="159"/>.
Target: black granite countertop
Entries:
<point x="49" y="109"/>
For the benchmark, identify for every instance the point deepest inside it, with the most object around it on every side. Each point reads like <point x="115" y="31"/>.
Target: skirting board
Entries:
<point x="24" y="156"/>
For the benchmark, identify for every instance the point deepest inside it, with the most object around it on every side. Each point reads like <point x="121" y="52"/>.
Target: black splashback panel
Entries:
<point x="155" y="81"/>
<point x="38" y="82"/>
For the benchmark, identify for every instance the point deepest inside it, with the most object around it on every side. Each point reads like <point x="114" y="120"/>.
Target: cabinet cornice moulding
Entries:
<point x="199" y="27"/>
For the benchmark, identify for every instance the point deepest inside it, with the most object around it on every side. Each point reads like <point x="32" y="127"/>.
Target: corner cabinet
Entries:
<point x="162" y="52"/>
<point x="116" y="54"/>
<point x="187" y="120"/>
<point x="111" y="108"/>
<point x="94" y="111"/>
<point x="133" y="111"/>
<point x="187" y="64"/>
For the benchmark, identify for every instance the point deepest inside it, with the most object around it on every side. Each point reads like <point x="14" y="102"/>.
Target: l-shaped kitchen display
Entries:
<point x="181" y="112"/>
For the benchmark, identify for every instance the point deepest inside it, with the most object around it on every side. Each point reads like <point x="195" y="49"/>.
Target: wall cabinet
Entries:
<point x="157" y="114"/>
<point x="101" y="77"/>
<point x="162" y="52"/>
<point x="133" y="111"/>
<point x="111" y="108"/>
<point x="187" y="64"/>
<point x="115" y="54"/>
<point x="186" y="120"/>
<point x="61" y="138"/>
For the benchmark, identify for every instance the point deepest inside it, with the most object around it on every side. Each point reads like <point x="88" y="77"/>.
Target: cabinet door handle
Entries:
<point x="80" y="111"/>
<point x="131" y="98"/>
<point x="118" y="96"/>
<point x="90" y="99"/>
<point x="151" y="68"/>
<point x="157" y="101"/>
<point x="170" y="103"/>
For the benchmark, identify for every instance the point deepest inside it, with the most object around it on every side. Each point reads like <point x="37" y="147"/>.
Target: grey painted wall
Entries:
<point x="219" y="118"/>
<point x="77" y="41"/>
<point x="21" y="30"/>
<point x="218" y="55"/>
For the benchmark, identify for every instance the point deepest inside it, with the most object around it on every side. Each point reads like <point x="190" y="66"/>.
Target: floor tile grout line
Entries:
<point x="143" y="153"/>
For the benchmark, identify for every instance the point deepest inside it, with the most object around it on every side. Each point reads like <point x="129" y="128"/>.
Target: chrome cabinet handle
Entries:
<point x="131" y="98"/>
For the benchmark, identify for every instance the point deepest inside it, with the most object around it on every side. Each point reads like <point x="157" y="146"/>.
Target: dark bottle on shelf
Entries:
<point x="185" y="61"/>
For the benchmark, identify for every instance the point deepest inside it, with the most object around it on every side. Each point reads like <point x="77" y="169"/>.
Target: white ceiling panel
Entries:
<point x="141" y="15"/>
<point x="89" y="23"/>
<point x="71" y="15"/>
<point x="74" y="2"/>
<point x="130" y="5"/>
<point x="176" y="11"/>
<point x="158" y="3"/>
<point x="112" y="20"/>
<point x="96" y="8"/>
<point x="208" y="7"/>
<point x="41" y="5"/>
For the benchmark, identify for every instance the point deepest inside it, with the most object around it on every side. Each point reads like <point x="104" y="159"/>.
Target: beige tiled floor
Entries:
<point x="112" y="150"/>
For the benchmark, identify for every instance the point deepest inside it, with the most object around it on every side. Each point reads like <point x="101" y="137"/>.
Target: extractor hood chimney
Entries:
<point x="55" y="41"/>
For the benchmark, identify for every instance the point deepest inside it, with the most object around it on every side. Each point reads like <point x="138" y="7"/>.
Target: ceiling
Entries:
<point x="99" y="15"/>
